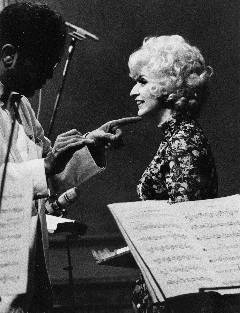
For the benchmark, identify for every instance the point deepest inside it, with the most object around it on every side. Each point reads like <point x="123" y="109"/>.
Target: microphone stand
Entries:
<point x="64" y="75"/>
<point x="69" y="268"/>
<point x="73" y="230"/>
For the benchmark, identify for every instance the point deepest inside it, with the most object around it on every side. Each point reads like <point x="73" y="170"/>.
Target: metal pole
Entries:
<point x="64" y="75"/>
<point x="69" y="268"/>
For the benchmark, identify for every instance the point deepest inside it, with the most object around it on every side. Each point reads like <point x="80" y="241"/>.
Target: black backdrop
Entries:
<point x="97" y="89"/>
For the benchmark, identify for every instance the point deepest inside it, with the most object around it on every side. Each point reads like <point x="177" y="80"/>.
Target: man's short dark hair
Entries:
<point x="34" y="29"/>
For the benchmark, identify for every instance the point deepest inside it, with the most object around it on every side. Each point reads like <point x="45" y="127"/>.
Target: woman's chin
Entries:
<point x="141" y="113"/>
<point x="144" y="113"/>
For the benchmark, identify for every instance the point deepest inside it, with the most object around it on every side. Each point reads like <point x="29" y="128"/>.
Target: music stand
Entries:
<point x="72" y="230"/>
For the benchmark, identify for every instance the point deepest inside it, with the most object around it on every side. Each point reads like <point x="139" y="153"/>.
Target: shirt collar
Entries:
<point x="1" y="94"/>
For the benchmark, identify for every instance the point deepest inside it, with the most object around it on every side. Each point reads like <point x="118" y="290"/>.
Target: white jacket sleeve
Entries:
<point x="34" y="170"/>
<point x="80" y="168"/>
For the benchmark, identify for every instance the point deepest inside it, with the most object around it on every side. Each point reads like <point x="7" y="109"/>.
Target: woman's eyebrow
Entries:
<point x="139" y="77"/>
<point x="142" y="78"/>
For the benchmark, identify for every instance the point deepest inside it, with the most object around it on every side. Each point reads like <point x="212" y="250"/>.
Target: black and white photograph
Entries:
<point x="120" y="171"/>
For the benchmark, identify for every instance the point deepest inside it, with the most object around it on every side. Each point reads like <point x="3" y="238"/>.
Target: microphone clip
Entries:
<point x="77" y="36"/>
<point x="80" y="33"/>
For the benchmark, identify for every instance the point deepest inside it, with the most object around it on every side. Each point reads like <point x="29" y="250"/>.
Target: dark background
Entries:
<point x="97" y="89"/>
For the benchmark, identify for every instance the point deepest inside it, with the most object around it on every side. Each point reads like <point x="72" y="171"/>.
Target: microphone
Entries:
<point x="57" y="206"/>
<point x="80" y="33"/>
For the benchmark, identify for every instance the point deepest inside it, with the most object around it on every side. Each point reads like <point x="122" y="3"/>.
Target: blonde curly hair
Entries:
<point x="177" y="68"/>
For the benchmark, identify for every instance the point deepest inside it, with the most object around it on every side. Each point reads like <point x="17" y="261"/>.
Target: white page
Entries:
<point x="216" y="224"/>
<point x="167" y="245"/>
<point x="15" y="220"/>
<point x="53" y="221"/>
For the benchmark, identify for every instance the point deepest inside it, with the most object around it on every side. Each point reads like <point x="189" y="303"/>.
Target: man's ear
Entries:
<point x="9" y="55"/>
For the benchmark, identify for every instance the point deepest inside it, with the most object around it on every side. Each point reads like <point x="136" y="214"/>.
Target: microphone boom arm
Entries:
<point x="78" y="33"/>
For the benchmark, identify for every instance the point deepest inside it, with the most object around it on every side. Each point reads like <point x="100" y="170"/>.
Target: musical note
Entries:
<point x="5" y="279"/>
<point x="168" y="235"/>
<point x="189" y="280"/>
<point x="171" y="247"/>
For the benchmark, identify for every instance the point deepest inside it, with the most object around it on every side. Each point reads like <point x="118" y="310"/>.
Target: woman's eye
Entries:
<point x="142" y="81"/>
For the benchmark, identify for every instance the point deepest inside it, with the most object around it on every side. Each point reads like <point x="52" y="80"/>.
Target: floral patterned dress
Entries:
<point x="183" y="169"/>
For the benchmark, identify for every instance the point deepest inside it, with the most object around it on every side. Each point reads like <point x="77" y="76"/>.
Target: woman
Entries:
<point x="171" y="86"/>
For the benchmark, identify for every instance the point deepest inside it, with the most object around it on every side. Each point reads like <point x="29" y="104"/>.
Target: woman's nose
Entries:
<point x="135" y="90"/>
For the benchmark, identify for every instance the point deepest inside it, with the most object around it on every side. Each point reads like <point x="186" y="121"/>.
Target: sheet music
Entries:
<point x="105" y="254"/>
<point x="152" y="288"/>
<point x="15" y="220"/>
<point x="167" y="244"/>
<point x="53" y="221"/>
<point x="217" y="228"/>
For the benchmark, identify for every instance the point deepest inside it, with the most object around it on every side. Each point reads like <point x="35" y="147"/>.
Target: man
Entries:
<point x="32" y="38"/>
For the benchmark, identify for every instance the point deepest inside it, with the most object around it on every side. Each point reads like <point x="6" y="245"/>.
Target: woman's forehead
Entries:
<point x="138" y="69"/>
<point x="144" y="67"/>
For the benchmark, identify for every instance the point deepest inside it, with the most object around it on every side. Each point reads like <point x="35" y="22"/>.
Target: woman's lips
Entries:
<point x="139" y="102"/>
